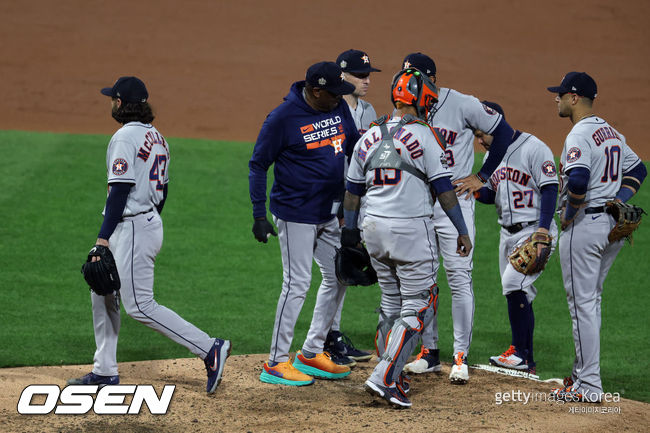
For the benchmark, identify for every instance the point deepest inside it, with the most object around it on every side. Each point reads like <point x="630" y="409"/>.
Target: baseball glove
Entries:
<point x="352" y="265"/>
<point x="101" y="276"/>
<point x="627" y="217"/>
<point x="525" y="258"/>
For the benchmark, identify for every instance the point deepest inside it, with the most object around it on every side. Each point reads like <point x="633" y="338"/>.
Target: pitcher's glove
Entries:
<point x="627" y="217"/>
<point x="526" y="259"/>
<point x="101" y="276"/>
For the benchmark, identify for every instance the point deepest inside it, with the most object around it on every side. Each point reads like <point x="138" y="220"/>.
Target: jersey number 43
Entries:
<point x="157" y="173"/>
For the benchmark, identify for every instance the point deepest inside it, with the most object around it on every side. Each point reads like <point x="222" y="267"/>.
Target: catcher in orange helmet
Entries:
<point x="399" y="165"/>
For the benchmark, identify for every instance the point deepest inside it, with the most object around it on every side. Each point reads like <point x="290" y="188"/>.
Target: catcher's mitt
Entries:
<point x="101" y="276"/>
<point x="627" y="217"/>
<point x="353" y="267"/>
<point x="525" y="258"/>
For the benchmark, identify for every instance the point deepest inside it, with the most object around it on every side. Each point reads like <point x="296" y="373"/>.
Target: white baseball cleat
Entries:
<point x="459" y="372"/>
<point x="427" y="361"/>
<point x="510" y="359"/>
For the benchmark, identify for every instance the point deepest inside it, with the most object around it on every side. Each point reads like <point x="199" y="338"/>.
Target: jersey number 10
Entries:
<point x="613" y="155"/>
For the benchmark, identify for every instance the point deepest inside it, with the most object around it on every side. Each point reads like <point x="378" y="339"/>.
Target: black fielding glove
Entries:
<point x="350" y="237"/>
<point x="262" y="230"/>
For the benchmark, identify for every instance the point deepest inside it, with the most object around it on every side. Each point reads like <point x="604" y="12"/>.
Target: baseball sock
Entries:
<point x="531" y="330"/>
<point x="518" y="312"/>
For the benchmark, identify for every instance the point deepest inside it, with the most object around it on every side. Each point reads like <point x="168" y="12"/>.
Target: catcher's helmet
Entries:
<point x="412" y="87"/>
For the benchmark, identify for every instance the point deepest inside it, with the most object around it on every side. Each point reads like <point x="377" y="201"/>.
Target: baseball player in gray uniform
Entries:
<point x="596" y="166"/>
<point x="356" y="68"/>
<point x="455" y="116"/>
<point x="398" y="164"/>
<point x="137" y="163"/>
<point x="524" y="190"/>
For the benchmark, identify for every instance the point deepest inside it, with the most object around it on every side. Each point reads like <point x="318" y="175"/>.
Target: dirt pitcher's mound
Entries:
<point x="243" y="403"/>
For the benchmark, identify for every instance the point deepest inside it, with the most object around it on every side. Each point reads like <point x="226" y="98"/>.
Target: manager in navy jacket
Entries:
<point x="308" y="138"/>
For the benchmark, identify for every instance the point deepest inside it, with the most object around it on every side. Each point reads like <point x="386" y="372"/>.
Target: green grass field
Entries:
<point x="215" y="274"/>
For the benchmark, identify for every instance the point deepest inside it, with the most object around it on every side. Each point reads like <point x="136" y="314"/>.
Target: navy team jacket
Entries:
<point x="309" y="148"/>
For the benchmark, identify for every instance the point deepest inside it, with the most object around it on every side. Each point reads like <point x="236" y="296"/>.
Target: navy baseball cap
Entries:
<point x="420" y="61"/>
<point x="328" y="76"/>
<point x="128" y="89"/>
<point x="579" y="83"/>
<point x="356" y="62"/>
<point x="496" y="107"/>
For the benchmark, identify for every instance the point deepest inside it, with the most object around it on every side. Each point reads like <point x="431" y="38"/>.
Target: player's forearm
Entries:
<point x="449" y="204"/>
<point x="632" y="181"/>
<point x="548" y="204"/>
<point x="115" y="204"/>
<point x="502" y="138"/>
<point x="351" y="205"/>
<point x="257" y="190"/>
<point x="485" y="195"/>
<point x="161" y="205"/>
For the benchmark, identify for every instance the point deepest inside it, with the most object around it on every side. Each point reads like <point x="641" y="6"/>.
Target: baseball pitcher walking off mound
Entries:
<point x="137" y="162"/>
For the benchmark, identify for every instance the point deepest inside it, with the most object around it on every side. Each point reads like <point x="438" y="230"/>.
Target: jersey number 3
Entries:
<point x="157" y="173"/>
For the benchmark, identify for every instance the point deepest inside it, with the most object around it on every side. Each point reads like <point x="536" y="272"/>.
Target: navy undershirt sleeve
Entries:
<point x="578" y="180"/>
<point x="502" y="138"/>
<point x="440" y="185"/>
<point x="486" y="196"/>
<point x="115" y="204"/>
<point x="549" y="199"/>
<point x="160" y="205"/>
<point x="455" y="214"/>
<point x="356" y="188"/>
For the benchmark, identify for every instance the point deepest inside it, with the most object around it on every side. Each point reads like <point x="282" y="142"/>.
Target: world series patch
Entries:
<point x="120" y="167"/>
<point x="573" y="154"/>
<point x="489" y="110"/>
<point x="548" y="168"/>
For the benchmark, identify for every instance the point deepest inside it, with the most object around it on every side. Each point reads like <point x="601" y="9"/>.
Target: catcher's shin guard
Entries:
<point x="418" y="313"/>
<point x="383" y="331"/>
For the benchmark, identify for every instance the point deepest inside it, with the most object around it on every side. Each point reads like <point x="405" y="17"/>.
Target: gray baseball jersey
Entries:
<point x="586" y="253"/>
<point x="526" y="167"/>
<point x="455" y="116"/>
<point x="595" y="145"/>
<point x="394" y="193"/>
<point x="138" y="154"/>
<point x="363" y="115"/>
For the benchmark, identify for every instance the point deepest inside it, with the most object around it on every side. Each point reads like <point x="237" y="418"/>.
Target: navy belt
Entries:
<point x="597" y="209"/>
<point x="139" y="213"/>
<point x="515" y="228"/>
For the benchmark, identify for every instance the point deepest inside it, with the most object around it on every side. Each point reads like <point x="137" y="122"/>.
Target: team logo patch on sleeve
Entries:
<point x="548" y="168"/>
<point x="489" y="110"/>
<point x="573" y="154"/>
<point x="120" y="167"/>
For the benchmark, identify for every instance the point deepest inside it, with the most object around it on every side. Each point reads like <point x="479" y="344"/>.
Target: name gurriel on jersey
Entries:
<point x="150" y="139"/>
<point x="603" y="134"/>
<point x="511" y="174"/>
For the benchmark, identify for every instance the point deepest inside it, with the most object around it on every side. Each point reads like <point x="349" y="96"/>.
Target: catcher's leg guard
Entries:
<point x="404" y="336"/>
<point x="383" y="331"/>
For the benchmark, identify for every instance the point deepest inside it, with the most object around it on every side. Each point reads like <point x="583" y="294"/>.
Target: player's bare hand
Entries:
<point x="464" y="245"/>
<point x="262" y="230"/>
<point x="102" y="242"/>
<point x="467" y="185"/>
